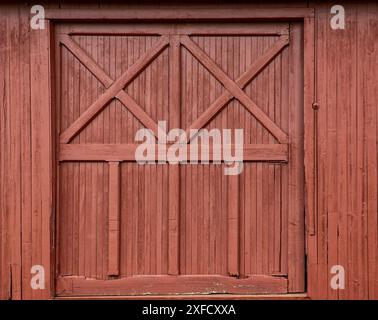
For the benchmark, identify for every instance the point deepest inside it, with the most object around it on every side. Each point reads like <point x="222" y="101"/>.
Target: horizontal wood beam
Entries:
<point x="200" y="28"/>
<point x="126" y="152"/>
<point x="166" y="284"/>
<point x="190" y="14"/>
<point x="274" y="296"/>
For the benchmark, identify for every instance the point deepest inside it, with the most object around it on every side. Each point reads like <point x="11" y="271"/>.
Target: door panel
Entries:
<point x="125" y="228"/>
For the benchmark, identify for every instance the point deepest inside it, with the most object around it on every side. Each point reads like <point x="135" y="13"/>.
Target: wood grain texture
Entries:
<point x="113" y="90"/>
<point x="114" y="220"/>
<point x="174" y="169"/>
<point x="181" y="13"/>
<point x="126" y="152"/>
<point x="344" y="230"/>
<point x="234" y="89"/>
<point x="99" y="73"/>
<point x="343" y="86"/>
<point x="41" y="157"/>
<point x="187" y="239"/>
<point x="296" y="251"/>
<point x="233" y="227"/>
<point x="172" y="285"/>
<point x="5" y="140"/>
<point x="242" y="81"/>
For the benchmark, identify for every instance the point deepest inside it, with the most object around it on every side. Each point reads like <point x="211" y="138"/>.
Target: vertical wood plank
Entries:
<point x="352" y="185"/>
<point x="25" y="152"/>
<point x="371" y="130"/>
<point x="285" y="169"/>
<point x="113" y="220"/>
<point x="270" y="170"/>
<point x="174" y="170"/>
<point x="310" y="153"/>
<point x="296" y="274"/>
<point x="317" y="248"/>
<point x="233" y="225"/>
<point x="14" y="103"/>
<point x="5" y="270"/>
<point x="41" y="156"/>
<point x="344" y="84"/>
<point x="330" y="75"/>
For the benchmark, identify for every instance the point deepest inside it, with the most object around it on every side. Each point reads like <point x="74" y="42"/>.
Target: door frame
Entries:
<point x="44" y="130"/>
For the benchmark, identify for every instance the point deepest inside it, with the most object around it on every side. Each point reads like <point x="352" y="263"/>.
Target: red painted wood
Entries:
<point x="113" y="220"/>
<point x="233" y="226"/>
<point x="171" y="285"/>
<point x="187" y="226"/>
<point x="174" y="170"/>
<point x="180" y="13"/>
<point x="340" y="162"/>
<point x="295" y="229"/>
<point x="41" y="158"/>
<point x="126" y="152"/>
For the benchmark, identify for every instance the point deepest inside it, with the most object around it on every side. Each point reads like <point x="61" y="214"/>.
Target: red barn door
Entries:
<point x="128" y="229"/>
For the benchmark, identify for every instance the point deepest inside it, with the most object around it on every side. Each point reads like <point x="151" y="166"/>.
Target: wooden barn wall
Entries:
<point x="25" y="165"/>
<point x="347" y="127"/>
<point x="346" y="234"/>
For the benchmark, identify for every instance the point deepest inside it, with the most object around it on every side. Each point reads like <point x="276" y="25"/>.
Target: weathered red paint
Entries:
<point x="204" y="237"/>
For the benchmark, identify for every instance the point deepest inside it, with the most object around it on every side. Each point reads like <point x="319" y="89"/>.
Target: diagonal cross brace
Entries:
<point x="114" y="88"/>
<point x="235" y="89"/>
<point x="242" y="81"/>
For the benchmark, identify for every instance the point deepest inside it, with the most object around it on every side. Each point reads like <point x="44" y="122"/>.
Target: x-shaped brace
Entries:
<point x="235" y="88"/>
<point x="114" y="88"/>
